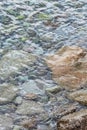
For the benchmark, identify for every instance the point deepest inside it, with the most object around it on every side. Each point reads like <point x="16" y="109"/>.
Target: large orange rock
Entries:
<point x="75" y="121"/>
<point x="79" y="96"/>
<point x="69" y="66"/>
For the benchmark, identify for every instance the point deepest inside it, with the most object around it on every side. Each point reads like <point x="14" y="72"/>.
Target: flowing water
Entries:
<point x="31" y="30"/>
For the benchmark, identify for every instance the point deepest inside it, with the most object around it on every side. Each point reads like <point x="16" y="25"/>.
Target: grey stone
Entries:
<point x="17" y="127"/>
<point x="31" y="87"/>
<point x="13" y="61"/>
<point x="5" y="122"/>
<point x="18" y="100"/>
<point x="7" y="93"/>
<point x="30" y="107"/>
<point x="54" y="89"/>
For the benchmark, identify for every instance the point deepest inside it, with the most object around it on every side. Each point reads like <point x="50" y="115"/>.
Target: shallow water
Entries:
<point x="39" y="28"/>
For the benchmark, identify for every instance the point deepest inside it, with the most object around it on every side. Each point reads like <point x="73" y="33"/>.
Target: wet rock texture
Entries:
<point x="75" y="121"/>
<point x="79" y="96"/>
<point x="13" y="61"/>
<point x="5" y="122"/>
<point x="69" y="67"/>
<point x="43" y="64"/>
<point x="8" y="93"/>
<point x="30" y="108"/>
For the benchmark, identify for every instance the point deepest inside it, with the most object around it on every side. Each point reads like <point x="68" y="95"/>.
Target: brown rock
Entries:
<point x="79" y="96"/>
<point x="69" y="66"/>
<point x="29" y="124"/>
<point x="31" y="96"/>
<point x="64" y="110"/>
<point x="75" y="121"/>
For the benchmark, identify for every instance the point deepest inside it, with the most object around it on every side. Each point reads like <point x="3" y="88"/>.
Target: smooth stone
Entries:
<point x="48" y="37"/>
<point x="8" y="92"/>
<point x="74" y="121"/>
<point x="31" y="96"/>
<point x="30" y="108"/>
<point x="13" y="61"/>
<point x="31" y="87"/>
<point x="79" y="96"/>
<point x="31" y="32"/>
<point x="54" y="89"/>
<point x="7" y="108"/>
<point x="69" y="67"/>
<point x="18" y="100"/>
<point x="5" y="122"/>
<point x="17" y="127"/>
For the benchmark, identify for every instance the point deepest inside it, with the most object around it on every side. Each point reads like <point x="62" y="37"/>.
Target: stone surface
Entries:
<point x="69" y="66"/>
<point x="13" y="61"/>
<point x="74" y="121"/>
<point x="5" y="122"/>
<point x="30" y="108"/>
<point x="18" y="100"/>
<point x="60" y="111"/>
<point x="79" y="96"/>
<point x="31" y="87"/>
<point x="54" y="89"/>
<point x="31" y="96"/>
<point x="7" y="93"/>
<point x="29" y="124"/>
<point x="17" y="127"/>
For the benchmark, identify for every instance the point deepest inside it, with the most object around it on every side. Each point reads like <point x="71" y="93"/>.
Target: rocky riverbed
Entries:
<point x="43" y="65"/>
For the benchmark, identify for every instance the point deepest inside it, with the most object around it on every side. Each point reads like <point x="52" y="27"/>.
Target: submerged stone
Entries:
<point x="29" y="124"/>
<point x="31" y="87"/>
<point x="69" y="67"/>
<point x="7" y="93"/>
<point x="13" y="61"/>
<point x="74" y="121"/>
<point x="5" y="122"/>
<point x="30" y="108"/>
<point x="54" y="89"/>
<point x="43" y="16"/>
<point x="79" y="96"/>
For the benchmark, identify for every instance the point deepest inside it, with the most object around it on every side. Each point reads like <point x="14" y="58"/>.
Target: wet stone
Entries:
<point x="74" y="121"/>
<point x="79" y="96"/>
<point x="31" y="32"/>
<point x="48" y="37"/>
<point x="62" y="110"/>
<point x="29" y="124"/>
<point x="17" y="127"/>
<point x="18" y="100"/>
<point x="30" y="108"/>
<point x="69" y="67"/>
<point x="14" y="61"/>
<point x="7" y="108"/>
<point x="31" y="87"/>
<point x="54" y="89"/>
<point x="8" y="92"/>
<point x="31" y="96"/>
<point x="5" y="122"/>
<point x="5" y="20"/>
